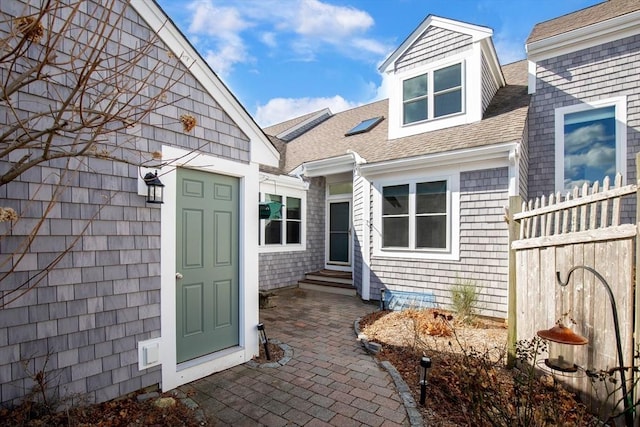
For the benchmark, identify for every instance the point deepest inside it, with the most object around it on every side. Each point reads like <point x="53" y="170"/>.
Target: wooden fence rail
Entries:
<point x="589" y="213"/>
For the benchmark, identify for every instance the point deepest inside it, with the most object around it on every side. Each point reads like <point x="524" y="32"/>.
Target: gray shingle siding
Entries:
<point x="596" y="73"/>
<point x="436" y="43"/>
<point x="483" y="250"/>
<point x="281" y="269"/>
<point x="103" y="297"/>
<point x="489" y="84"/>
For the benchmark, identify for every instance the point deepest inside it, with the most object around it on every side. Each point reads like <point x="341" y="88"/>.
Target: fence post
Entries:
<point x="635" y="391"/>
<point x="515" y="206"/>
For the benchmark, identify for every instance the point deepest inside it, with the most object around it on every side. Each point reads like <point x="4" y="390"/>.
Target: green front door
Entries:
<point x="207" y="263"/>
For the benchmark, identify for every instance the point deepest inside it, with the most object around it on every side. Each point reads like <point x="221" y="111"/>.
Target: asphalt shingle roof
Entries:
<point x="503" y="121"/>
<point x="582" y="18"/>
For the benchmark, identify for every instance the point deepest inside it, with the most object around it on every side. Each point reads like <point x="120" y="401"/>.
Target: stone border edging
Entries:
<point x="415" y="418"/>
<point x="288" y="354"/>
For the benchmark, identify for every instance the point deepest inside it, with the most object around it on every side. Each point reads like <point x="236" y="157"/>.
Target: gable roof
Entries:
<point x="262" y="150"/>
<point x="503" y="122"/>
<point x="582" y="18"/>
<point x="477" y="32"/>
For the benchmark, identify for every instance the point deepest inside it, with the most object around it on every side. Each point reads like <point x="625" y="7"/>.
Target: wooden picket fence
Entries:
<point x="554" y="234"/>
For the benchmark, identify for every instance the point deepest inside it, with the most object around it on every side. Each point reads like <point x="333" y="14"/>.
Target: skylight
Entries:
<point x="364" y="126"/>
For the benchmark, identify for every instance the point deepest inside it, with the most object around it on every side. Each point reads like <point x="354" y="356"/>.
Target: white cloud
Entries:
<point x="330" y="22"/>
<point x="305" y="26"/>
<point x="278" y="110"/>
<point x="219" y="22"/>
<point x="221" y="26"/>
<point x="269" y="39"/>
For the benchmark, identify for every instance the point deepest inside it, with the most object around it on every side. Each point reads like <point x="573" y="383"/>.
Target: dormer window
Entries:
<point x="432" y="95"/>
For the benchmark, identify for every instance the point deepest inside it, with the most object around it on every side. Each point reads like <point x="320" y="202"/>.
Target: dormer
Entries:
<point x="444" y="74"/>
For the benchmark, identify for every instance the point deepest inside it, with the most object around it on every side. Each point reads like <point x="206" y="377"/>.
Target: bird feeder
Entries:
<point x="563" y="343"/>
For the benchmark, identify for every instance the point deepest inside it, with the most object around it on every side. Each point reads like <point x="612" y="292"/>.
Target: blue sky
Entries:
<point x="285" y="58"/>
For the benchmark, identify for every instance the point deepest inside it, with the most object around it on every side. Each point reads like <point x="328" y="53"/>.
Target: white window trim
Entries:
<point x="453" y="237"/>
<point x="431" y="94"/>
<point x="272" y="185"/>
<point x="620" y="103"/>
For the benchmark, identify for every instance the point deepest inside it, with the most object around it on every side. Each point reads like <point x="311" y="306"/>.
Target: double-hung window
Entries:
<point x="416" y="215"/>
<point x="590" y="142"/>
<point x="435" y="94"/>
<point x="283" y="228"/>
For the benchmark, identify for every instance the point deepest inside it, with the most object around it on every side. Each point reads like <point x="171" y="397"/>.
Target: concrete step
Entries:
<point x="325" y="286"/>
<point x="332" y="276"/>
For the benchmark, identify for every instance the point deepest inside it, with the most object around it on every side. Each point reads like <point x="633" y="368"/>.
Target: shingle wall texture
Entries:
<point x="87" y="314"/>
<point x="281" y="269"/>
<point x="483" y="250"/>
<point x="596" y="73"/>
<point x="436" y="43"/>
<point x="489" y="85"/>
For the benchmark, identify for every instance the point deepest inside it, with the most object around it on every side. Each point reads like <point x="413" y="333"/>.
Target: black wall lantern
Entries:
<point x="155" y="188"/>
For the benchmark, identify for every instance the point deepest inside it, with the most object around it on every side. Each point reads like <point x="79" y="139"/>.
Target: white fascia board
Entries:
<point x="585" y="37"/>
<point x="458" y="157"/>
<point x="476" y="32"/>
<point x="329" y="166"/>
<point x="284" y="181"/>
<point x="489" y="49"/>
<point x="262" y="151"/>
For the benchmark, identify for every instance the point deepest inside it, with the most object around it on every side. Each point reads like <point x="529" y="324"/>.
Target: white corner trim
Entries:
<point x="162" y="25"/>
<point x="585" y="37"/>
<point x="532" y="75"/>
<point x="366" y="232"/>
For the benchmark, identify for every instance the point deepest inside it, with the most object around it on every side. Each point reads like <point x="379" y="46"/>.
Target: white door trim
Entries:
<point x="174" y="374"/>
<point x="339" y="266"/>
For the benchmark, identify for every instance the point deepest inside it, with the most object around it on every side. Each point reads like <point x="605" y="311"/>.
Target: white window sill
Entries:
<point x="281" y="248"/>
<point x="416" y="254"/>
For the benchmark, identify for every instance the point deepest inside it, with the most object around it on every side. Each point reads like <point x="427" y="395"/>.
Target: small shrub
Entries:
<point x="464" y="300"/>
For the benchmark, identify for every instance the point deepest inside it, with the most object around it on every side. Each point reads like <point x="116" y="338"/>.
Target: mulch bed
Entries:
<point x="126" y="412"/>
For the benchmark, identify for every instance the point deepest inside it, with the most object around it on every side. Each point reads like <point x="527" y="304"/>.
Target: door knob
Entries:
<point x="179" y="276"/>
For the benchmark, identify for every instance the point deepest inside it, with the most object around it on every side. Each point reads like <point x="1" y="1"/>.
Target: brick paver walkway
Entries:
<point x="330" y="380"/>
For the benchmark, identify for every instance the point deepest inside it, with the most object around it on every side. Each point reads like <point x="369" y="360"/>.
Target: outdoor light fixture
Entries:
<point x="264" y="340"/>
<point x="562" y="342"/>
<point x="382" y="302"/>
<point x="559" y="332"/>
<point x="425" y="365"/>
<point x="154" y="188"/>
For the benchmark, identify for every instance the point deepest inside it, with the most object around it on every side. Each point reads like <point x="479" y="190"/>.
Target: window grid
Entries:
<point x="285" y="230"/>
<point x="428" y="98"/>
<point x="412" y="219"/>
